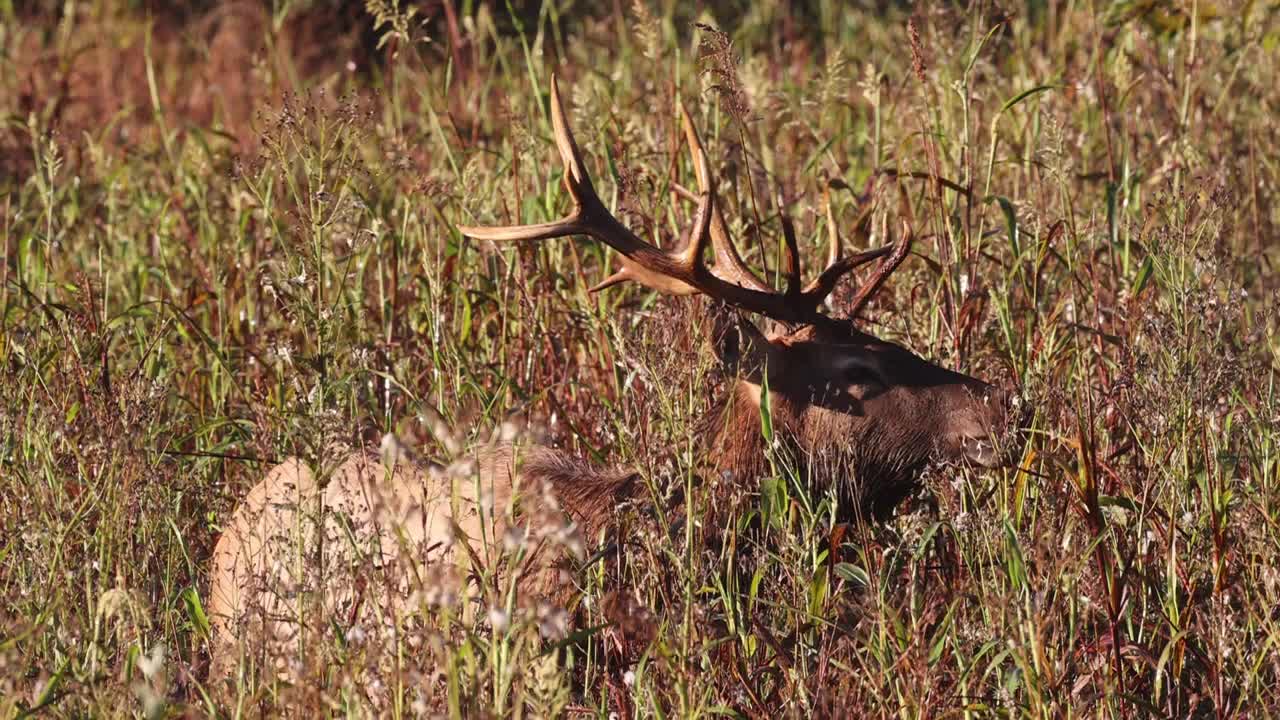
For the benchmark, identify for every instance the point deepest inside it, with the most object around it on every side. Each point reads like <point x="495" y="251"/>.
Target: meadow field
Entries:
<point x="228" y="236"/>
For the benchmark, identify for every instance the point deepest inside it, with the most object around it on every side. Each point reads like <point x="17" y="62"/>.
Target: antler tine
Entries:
<point x="813" y="295"/>
<point x="706" y="193"/>
<point x="890" y="263"/>
<point x="576" y="180"/>
<point x="883" y="270"/>
<point x="681" y="271"/>
<point x="575" y="172"/>
<point x="729" y="264"/>
<point x="689" y="259"/>
<point x="837" y="266"/>
<point x="641" y="262"/>
<point x="818" y="290"/>
<point x="792" y="267"/>
<point x="833" y="232"/>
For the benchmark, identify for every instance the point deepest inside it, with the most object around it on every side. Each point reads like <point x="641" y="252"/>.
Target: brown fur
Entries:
<point x="393" y="539"/>
<point x="589" y="494"/>
<point x="732" y="436"/>
<point x="857" y="415"/>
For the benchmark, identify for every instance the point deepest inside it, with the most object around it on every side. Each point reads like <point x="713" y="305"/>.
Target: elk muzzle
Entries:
<point x="980" y="427"/>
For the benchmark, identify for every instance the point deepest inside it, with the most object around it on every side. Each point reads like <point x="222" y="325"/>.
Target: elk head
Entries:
<point x="865" y="415"/>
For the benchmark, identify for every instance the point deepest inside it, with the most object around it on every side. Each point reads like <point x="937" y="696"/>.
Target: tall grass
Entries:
<point x="192" y="288"/>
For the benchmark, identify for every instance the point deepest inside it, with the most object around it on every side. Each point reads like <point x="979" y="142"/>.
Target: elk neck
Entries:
<point x="870" y="474"/>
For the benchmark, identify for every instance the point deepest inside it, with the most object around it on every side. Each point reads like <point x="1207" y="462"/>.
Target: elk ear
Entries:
<point x="740" y="346"/>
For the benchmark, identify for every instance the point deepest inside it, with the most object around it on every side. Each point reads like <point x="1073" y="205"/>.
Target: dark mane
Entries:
<point x="732" y="437"/>
<point x="588" y="493"/>
<point x="867" y="481"/>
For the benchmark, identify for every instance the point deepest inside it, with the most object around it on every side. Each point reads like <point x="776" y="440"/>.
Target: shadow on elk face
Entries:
<point x="863" y="414"/>
<point x="860" y="411"/>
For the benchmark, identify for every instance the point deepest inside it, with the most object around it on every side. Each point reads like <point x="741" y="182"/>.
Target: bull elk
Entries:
<point x="864" y="416"/>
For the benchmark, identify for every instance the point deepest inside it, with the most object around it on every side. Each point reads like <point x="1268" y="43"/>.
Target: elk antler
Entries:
<point x="682" y="271"/>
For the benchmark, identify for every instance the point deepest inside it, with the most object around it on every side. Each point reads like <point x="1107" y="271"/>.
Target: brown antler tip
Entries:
<point x="617" y="278"/>
<point x="701" y="165"/>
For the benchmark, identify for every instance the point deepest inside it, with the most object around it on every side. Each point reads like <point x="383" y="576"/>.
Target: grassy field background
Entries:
<point x="228" y="236"/>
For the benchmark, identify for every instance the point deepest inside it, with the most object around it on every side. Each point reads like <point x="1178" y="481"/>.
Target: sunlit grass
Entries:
<point x="192" y="290"/>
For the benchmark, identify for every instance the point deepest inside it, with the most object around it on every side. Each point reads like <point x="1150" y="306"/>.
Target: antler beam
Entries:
<point x="682" y="271"/>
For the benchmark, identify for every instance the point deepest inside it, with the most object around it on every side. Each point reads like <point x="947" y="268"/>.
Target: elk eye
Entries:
<point x="860" y="374"/>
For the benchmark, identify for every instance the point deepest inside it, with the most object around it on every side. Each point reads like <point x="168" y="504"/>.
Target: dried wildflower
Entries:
<point x="515" y="539"/>
<point x="918" y="64"/>
<point x="499" y="619"/>
<point x="152" y="663"/>
<point x="648" y="30"/>
<point x="444" y="434"/>
<point x="284" y="353"/>
<point x="718" y="59"/>
<point x="549" y="499"/>
<point x="569" y="536"/>
<point x="833" y="79"/>
<point x="553" y="622"/>
<point x="508" y="432"/>
<point x="356" y="635"/>
<point x="391" y="450"/>
<point x="467" y="468"/>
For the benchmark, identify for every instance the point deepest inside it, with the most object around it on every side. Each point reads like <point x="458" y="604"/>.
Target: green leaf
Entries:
<point x="818" y="592"/>
<point x="609" y="160"/>
<point x="49" y="694"/>
<point x="1117" y="501"/>
<point x="1113" y="198"/>
<point x="465" y="331"/>
<point x="925" y="539"/>
<point x="773" y="500"/>
<point x="853" y="574"/>
<point x="1015" y="567"/>
<point x="1011" y="224"/>
<point x="195" y="611"/>
<point x="136" y="312"/>
<point x="1142" y="278"/>
<point x="941" y="635"/>
<point x="1023" y="96"/>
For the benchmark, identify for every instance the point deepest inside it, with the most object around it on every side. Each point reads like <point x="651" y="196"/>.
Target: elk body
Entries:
<point x="863" y="416"/>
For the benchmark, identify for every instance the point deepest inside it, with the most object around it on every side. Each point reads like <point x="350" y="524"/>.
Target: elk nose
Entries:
<point x="1003" y="406"/>
<point x="1015" y="411"/>
<point x="997" y="409"/>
